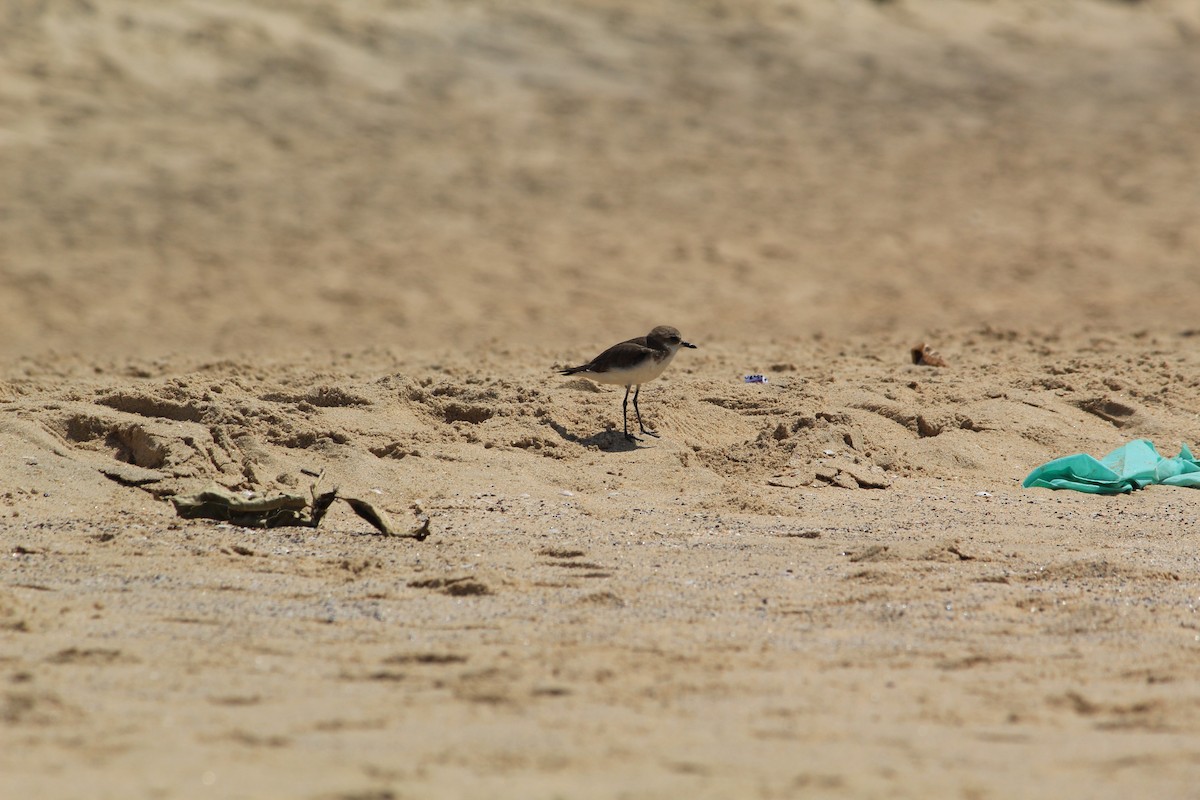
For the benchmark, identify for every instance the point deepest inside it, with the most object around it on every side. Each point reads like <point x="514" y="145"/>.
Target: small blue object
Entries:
<point x="755" y="379"/>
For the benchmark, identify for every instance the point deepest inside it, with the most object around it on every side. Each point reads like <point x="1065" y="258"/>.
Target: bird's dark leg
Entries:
<point x="625" y="414"/>
<point x="638" y="411"/>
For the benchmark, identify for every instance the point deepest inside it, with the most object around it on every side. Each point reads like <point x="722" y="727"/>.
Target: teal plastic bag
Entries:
<point x="1134" y="466"/>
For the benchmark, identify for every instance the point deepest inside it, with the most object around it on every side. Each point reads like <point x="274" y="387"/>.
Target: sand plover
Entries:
<point x="633" y="363"/>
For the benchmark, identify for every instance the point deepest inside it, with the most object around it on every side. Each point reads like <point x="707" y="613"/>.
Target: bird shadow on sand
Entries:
<point x="612" y="441"/>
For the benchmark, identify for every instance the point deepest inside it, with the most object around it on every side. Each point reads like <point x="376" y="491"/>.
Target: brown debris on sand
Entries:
<point x="925" y="356"/>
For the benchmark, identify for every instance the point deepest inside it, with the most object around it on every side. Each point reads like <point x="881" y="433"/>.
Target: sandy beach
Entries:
<point x="244" y="245"/>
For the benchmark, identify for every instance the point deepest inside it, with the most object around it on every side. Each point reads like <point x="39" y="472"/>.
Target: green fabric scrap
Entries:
<point x="1132" y="466"/>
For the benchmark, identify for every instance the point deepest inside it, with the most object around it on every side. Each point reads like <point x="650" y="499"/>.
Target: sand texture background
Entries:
<point x="242" y="243"/>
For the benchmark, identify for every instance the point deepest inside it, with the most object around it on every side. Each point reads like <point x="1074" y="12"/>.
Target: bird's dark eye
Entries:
<point x="673" y="340"/>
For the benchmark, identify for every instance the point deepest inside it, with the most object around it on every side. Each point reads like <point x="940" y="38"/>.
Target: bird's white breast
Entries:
<point x="647" y="370"/>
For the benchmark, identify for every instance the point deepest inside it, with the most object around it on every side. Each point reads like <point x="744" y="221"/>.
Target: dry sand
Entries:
<point x="245" y="242"/>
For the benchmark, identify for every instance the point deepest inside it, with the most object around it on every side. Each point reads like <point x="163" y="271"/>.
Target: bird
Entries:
<point x="632" y="363"/>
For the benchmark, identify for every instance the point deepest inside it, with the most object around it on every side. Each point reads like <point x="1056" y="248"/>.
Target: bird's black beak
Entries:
<point x="687" y="344"/>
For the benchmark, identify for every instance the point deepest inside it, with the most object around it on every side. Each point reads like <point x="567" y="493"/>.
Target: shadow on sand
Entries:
<point x="610" y="441"/>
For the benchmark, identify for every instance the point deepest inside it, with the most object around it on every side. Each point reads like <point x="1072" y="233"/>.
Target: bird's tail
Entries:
<point x="573" y="370"/>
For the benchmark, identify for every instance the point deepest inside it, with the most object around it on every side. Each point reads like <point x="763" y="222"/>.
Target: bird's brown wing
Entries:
<point x="625" y="354"/>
